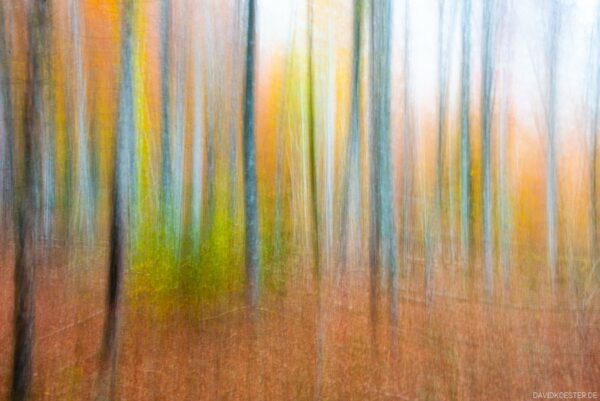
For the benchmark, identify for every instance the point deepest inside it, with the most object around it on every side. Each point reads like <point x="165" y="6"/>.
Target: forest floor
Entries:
<point x="456" y="347"/>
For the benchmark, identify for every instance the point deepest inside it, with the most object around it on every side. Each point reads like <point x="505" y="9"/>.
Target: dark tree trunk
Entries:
<point x="120" y="199"/>
<point x="24" y="279"/>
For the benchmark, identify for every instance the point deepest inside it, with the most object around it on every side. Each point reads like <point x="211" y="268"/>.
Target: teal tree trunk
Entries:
<point x="166" y="196"/>
<point x="83" y="208"/>
<point x="465" y="136"/>
<point x="487" y="65"/>
<point x="197" y="184"/>
<point x="441" y="126"/>
<point x="382" y="242"/>
<point x="249" y="165"/>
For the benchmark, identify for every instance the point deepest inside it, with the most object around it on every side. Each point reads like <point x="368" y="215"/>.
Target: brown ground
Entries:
<point x="459" y="348"/>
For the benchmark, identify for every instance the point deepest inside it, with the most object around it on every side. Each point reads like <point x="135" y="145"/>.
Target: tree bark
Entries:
<point x="250" y="184"/>
<point x="120" y="202"/>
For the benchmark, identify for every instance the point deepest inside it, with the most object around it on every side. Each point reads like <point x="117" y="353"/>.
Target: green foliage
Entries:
<point x="275" y="252"/>
<point x="169" y="268"/>
<point x="172" y="270"/>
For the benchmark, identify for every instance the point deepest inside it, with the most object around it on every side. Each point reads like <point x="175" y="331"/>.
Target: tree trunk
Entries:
<point x="7" y="186"/>
<point x="407" y="145"/>
<point x="465" y="138"/>
<point x="551" y="184"/>
<point x="316" y="237"/>
<point x="165" y="65"/>
<point x="351" y="178"/>
<point x="250" y="184"/>
<point x="120" y="199"/>
<point x="24" y="278"/>
<point x="198" y="148"/>
<point x="486" y="130"/>
<point x="83" y="208"/>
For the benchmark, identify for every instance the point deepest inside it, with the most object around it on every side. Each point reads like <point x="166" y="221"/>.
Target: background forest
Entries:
<point x="300" y="199"/>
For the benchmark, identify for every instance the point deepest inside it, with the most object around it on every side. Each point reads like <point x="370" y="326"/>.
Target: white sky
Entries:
<point x="527" y="20"/>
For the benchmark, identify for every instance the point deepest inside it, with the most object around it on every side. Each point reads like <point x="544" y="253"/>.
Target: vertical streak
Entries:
<point x="84" y="211"/>
<point x="595" y="65"/>
<point x="387" y="204"/>
<point x="120" y="193"/>
<point x="441" y="128"/>
<point x="330" y="131"/>
<point x="407" y="144"/>
<point x="165" y="65"/>
<point x="24" y="276"/>
<point x="197" y="144"/>
<point x="503" y="198"/>
<point x="234" y="123"/>
<point x="351" y="170"/>
<point x="44" y="181"/>
<point x="180" y="67"/>
<point x="465" y="138"/>
<point x="7" y="186"/>
<point x="551" y="210"/>
<point x="382" y="244"/>
<point x="377" y="54"/>
<point x="486" y="112"/>
<point x="314" y="204"/>
<point x="250" y="186"/>
<point x="284" y="119"/>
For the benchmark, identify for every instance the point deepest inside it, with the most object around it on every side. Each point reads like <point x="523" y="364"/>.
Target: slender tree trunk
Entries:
<point x="7" y="187"/>
<point x="120" y="199"/>
<point x="503" y="196"/>
<point x="377" y="126"/>
<point x="441" y="128"/>
<point x="45" y="149"/>
<point x="593" y="199"/>
<point x="234" y="126"/>
<point x="316" y="237"/>
<point x="593" y="212"/>
<point x="351" y="177"/>
<point x="212" y="114"/>
<point x="407" y="144"/>
<point x="24" y="277"/>
<point x="278" y="225"/>
<point x="383" y="227"/>
<point x="551" y="184"/>
<point x="250" y="184"/>
<point x="165" y="65"/>
<point x="388" y="225"/>
<point x="465" y="137"/>
<point x="449" y="10"/>
<point x="215" y="104"/>
<point x="179" y="126"/>
<point x="283" y="120"/>
<point x="198" y="148"/>
<point x="329" y="159"/>
<point x="503" y="188"/>
<point x="486" y="130"/>
<point x="83" y="209"/>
